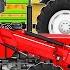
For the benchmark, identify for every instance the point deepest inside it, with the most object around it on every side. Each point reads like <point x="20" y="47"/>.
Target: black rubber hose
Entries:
<point x="45" y="39"/>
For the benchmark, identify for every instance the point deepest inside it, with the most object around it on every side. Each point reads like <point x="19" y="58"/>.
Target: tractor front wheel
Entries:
<point x="55" y="18"/>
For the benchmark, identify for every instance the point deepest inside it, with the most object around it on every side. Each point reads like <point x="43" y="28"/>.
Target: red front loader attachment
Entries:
<point x="19" y="41"/>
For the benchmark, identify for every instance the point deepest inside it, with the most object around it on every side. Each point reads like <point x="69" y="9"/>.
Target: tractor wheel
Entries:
<point x="43" y="66"/>
<point x="55" y="18"/>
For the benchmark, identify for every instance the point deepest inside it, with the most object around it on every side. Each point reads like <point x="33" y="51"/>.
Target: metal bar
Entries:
<point x="29" y="17"/>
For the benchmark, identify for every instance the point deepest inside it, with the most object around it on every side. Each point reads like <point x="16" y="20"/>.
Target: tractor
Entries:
<point x="21" y="49"/>
<point x="14" y="13"/>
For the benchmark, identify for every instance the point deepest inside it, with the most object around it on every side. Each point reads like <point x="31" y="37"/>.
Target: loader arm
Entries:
<point x="22" y="42"/>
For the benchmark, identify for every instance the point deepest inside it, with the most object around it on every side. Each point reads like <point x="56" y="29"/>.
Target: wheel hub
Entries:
<point x="64" y="27"/>
<point x="60" y="23"/>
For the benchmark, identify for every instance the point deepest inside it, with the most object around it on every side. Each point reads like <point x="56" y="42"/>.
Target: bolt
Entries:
<point x="58" y="58"/>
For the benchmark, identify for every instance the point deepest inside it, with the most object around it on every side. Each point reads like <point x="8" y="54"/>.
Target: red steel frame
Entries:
<point x="60" y="55"/>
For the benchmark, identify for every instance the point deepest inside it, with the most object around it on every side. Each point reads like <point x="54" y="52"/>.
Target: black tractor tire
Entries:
<point x="44" y="1"/>
<point x="42" y="66"/>
<point x="48" y="11"/>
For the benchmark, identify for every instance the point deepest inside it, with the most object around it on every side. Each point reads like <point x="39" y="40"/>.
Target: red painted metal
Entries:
<point x="60" y="55"/>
